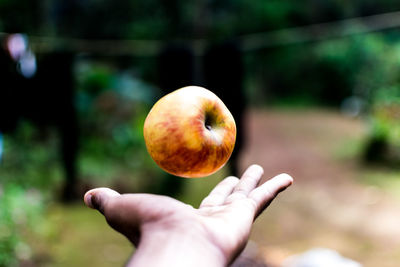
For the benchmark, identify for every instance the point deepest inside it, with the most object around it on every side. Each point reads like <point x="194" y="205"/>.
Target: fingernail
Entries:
<point x="89" y="201"/>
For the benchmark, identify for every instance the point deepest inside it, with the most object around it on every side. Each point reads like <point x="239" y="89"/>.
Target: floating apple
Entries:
<point x="190" y="132"/>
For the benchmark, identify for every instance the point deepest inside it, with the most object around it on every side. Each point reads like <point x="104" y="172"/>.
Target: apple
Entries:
<point x="190" y="132"/>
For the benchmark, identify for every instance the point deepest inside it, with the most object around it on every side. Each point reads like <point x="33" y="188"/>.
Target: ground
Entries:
<point x="336" y="201"/>
<point x="333" y="202"/>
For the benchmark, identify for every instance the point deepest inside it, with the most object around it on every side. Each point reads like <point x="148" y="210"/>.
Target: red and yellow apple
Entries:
<point x="190" y="132"/>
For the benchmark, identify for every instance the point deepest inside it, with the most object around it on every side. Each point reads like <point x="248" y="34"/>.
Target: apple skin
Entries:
<point x="190" y="132"/>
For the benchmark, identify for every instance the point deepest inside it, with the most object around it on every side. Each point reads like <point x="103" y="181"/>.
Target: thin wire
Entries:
<point x="249" y="42"/>
<point x="321" y="31"/>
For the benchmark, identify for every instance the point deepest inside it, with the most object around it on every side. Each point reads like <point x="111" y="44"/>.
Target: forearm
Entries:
<point x="173" y="248"/>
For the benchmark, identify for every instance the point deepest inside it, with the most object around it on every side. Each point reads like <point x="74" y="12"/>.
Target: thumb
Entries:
<point x="98" y="197"/>
<point x="120" y="211"/>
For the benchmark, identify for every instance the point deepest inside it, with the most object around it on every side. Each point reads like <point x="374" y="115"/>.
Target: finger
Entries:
<point x="265" y="193"/>
<point x="97" y="198"/>
<point x="249" y="180"/>
<point x="218" y="195"/>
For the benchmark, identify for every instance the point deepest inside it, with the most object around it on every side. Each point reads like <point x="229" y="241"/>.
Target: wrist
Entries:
<point x="177" y="246"/>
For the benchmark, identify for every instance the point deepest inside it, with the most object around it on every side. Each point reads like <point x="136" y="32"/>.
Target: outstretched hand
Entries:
<point x="168" y="232"/>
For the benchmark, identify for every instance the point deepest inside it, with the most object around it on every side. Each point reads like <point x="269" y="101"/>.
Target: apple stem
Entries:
<point x="208" y="122"/>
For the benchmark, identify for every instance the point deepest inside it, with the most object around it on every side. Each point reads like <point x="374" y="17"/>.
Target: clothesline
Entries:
<point x="249" y="42"/>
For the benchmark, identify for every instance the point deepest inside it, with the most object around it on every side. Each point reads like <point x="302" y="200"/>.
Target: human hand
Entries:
<point x="168" y="232"/>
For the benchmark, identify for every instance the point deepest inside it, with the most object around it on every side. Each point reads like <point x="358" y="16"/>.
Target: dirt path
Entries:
<point x="327" y="206"/>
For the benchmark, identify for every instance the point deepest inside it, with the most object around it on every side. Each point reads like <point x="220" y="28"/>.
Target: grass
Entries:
<point x="79" y="236"/>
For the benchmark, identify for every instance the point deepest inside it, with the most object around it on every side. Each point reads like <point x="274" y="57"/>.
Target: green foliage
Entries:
<point x="29" y="175"/>
<point x="385" y="119"/>
<point x="20" y="213"/>
<point x="379" y="82"/>
<point x="112" y="106"/>
<point x="29" y="162"/>
<point x="156" y="19"/>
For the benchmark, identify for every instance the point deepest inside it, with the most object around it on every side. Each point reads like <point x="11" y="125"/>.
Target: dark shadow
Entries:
<point x="55" y="78"/>
<point x="223" y="73"/>
<point x="46" y="99"/>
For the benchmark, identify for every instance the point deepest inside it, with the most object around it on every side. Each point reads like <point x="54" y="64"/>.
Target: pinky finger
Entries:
<point x="265" y="193"/>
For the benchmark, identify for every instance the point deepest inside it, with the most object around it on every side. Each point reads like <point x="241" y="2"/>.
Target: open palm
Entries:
<point x="222" y="221"/>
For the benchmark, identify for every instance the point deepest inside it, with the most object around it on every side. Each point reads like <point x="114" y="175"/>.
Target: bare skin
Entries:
<point x="168" y="232"/>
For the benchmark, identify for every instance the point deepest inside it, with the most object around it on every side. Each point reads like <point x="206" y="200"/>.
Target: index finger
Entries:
<point x="218" y="195"/>
<point x="249" y="180"/>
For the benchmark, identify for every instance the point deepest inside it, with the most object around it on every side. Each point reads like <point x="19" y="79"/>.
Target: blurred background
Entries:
<point x="314" y="87"/>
